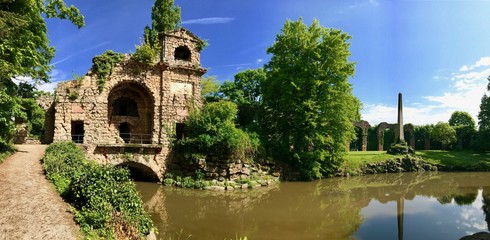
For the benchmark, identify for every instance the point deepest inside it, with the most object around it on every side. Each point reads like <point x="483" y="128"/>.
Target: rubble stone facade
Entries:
<point x="130" y="121"/>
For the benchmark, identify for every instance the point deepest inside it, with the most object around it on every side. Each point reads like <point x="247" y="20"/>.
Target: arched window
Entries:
<point x="125" y="106"/>
<point x="182" y="53"/>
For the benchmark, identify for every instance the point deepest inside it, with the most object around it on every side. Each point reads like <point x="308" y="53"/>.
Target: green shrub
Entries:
<point x="188" y="182"/>
<point x="5" y="150"/>
<point x="102" y="191"/>
<point x="63" y="162"/>
<point x="145" y="54"/>
<point x="105" y="199"/>
<point x="212" y="131"/>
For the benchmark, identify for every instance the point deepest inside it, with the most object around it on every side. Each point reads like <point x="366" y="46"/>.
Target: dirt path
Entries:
<point x="30" y="207"/>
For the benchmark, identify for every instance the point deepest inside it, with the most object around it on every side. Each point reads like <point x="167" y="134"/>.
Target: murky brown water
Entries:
<point x="387" y="206"/>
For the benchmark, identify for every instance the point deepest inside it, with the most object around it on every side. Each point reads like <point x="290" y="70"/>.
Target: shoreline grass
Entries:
<point x="448" y="160"/>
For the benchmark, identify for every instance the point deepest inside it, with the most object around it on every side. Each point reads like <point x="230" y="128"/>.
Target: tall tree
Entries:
<point x="443" y="133"/>
<point x="465" y="128"/>
<point x="483" y="138"/>
<point x="308" y="101"/>
<point x="165" y="16"/>
<point x="210" y="89"/>
<point x="245" y="92"/>
<point x="25" y="50"/>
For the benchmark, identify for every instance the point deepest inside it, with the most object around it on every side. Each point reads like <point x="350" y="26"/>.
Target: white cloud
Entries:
<point x="81" y="51"/>
<point x="48" y="87"/>
<point x="464" y="68"/>
<point x="466" y="88"/>
<point x="365" y="3"/>
<point x="484" y="61"/>
<point x="211" y="20"/>
<point x="415" y="114"/>
<point x="259" y="61"/>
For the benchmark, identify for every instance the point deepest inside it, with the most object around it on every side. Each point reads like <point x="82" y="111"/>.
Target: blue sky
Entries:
<point x="437" y="53"/>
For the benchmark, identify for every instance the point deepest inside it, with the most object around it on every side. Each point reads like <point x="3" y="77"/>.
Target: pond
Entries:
<point x="426" y="205"/>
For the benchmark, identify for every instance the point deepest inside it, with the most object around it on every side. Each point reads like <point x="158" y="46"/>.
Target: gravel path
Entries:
<point x="30" y="207"/>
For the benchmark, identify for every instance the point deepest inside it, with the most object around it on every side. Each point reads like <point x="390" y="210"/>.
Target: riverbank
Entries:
<point x="358" y="163"/>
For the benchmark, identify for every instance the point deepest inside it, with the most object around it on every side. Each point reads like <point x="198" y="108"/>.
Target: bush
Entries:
<point x="5" y="150"/>
<point x="212" y="131"/>
<point x="105" y="199"/>
<point x="145" y="54"/>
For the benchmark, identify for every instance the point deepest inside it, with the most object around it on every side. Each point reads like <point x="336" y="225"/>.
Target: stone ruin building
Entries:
<point x="136" y="112"/>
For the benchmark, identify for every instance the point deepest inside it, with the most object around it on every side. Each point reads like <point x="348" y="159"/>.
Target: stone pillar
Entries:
<point x="400" y="132"/>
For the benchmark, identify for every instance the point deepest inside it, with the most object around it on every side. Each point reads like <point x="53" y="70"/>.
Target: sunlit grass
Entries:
<point x="353" y="161"/>
<point x="453" y="157"/>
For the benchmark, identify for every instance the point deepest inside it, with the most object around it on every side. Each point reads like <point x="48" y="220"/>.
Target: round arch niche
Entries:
<point x="140" y="172"/>
<point x="130" y="112"/>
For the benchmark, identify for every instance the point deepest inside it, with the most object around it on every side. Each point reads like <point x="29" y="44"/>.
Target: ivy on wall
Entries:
<point x="103" y="65"/>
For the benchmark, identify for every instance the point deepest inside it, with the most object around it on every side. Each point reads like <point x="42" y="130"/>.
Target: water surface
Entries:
<point x="387" y="206"/>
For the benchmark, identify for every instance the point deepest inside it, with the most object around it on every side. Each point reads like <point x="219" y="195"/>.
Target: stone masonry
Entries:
<point x="129" y="122"/>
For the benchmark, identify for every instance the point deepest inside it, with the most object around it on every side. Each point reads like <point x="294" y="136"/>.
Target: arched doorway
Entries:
<point x="125" y="132"/>
<point x="131" y="112"/>
<point x="140" y="172"/>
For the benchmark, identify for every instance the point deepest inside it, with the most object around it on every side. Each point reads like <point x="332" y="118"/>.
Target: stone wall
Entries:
<point x="162" y="95"/>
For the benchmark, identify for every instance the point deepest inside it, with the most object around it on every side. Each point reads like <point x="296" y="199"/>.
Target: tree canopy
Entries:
<point x="245" y="92"/>
<point x="308" y="101"/>
<point x="465" y="128"/>
<point x="165" y="16"/>
<point x="443" y="133"/>
<point x="25" y="50"/>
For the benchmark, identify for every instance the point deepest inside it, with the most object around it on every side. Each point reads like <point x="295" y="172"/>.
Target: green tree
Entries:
<point x="465" y="128"/>
<point x="483" y="143"/>
<point x="165" y="16"/>
<point x="444" y="134"/>
<point x="25" y="50"/>
<point x="246" y="94"/>
<point x="210" y="89"/>
<point x="212" y="131"/>
<point x="422" y="137"/>
<point x="308" y="101"/>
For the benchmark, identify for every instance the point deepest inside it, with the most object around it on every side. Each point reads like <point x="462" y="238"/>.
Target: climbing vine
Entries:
<point x="103" y="65"/>
<point x="201" y="45"/>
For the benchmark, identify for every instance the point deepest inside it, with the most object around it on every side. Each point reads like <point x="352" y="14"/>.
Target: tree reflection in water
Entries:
<point x="327" y="209"/>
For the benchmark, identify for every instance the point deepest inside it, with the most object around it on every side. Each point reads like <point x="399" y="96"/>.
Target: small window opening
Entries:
<point x="182" y="53"/>
<point x="179" y="131"/>
<point x="77" y="131"/>
<point x="125" y="107"/>
<point x="125" y="132"/>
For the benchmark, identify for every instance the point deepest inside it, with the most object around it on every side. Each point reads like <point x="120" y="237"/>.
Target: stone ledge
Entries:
<point x="130" y="145"/>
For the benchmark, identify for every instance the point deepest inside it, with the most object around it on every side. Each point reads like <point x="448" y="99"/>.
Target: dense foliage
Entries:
<point x="444" y="134"/>
<point x="465" y="128"/>
<point x="211" y="131"/>
<point x="308" y="101"/>
<point x="103" y="65"/>
<point x="245" y="92"/>
<point x="210" y="89"/>
<point x="105" y="199"/>
<point x="25" y="51"/>
<point x="165" y="16"/>
<point x="145" y="54"/>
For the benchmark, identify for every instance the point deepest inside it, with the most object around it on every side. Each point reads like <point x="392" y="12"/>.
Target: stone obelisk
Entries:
<point x="400" y="132"/>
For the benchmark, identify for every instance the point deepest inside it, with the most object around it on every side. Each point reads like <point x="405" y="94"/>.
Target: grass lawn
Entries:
<point x="446" y="158"/>
<point x="354" y="160"/>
